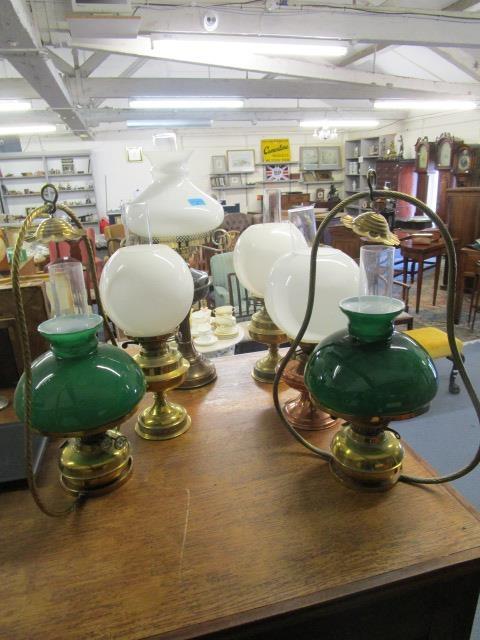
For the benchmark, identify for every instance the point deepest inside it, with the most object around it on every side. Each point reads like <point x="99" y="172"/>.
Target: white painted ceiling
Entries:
<point x="395" y="49"/>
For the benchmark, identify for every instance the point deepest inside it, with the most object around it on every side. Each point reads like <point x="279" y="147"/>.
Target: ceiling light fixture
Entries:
<point x="249" y="46"/>
<point x="136" y="124"/>
<point x="340" y="124"/>
<point x="14" y="105"/>
<point x="426" y="105"/>
<point x="184" y="103"/>
<point x="20" y="129"/>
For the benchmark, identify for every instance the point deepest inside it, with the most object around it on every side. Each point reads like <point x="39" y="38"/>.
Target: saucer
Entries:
<point x="205" y="340"/>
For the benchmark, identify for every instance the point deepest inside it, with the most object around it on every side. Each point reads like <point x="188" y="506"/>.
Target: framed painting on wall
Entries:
<point x="329" y="158"/>
<point x="308" y="157"/>
<point x="241" y="160"/>
<point x="219" y="164"/>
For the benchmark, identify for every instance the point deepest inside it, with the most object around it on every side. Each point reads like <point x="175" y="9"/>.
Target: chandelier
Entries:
<point x="325" y="133"/>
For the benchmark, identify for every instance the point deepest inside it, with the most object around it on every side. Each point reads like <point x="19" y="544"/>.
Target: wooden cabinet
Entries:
<point x="345" y="240"/>
<point x="401" y="176"/>
<point x="463" y="214"/>
<point x="290" y="200"/>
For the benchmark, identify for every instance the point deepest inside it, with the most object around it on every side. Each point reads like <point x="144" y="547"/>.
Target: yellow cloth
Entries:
<point x="434" y="341"/>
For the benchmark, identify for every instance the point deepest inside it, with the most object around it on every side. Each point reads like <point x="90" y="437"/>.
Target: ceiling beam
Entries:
<point x="222" y="88"/>
<point x="133" y="68"/>
<point x="293" y="115"/>
<point x="364" y="52"/>
<point x="17" y="31"/>
<point x="453" y="59"/>
<point x="461" y="5"/>
<point x="92" y="63"/>
<point x="383" y="25"/>
<point x="142" y="47"/>
<point x="62" y="65"/>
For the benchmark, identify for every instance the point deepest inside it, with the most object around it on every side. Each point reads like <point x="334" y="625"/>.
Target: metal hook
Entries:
<point x="49" y="195"/>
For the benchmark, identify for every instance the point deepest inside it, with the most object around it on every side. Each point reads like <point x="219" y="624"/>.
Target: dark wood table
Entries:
<point x="233" y="530"/>
<point x="419" y="253"/>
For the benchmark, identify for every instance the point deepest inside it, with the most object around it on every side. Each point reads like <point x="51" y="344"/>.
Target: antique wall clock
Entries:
<point x="465" y="165"/>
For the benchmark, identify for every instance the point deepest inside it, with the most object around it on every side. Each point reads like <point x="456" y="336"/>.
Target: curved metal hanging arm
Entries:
<point x="452" y="275"/>
<point x="27" y="366"/>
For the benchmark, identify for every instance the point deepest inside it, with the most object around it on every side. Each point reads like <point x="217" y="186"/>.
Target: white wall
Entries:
<point x="116" y="179"/>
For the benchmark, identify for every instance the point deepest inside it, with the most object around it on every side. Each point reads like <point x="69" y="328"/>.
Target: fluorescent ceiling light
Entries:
<point x="184" y="103"/>
<point x="246" y="46"/>
<point x="426" y="105"/>
<point x="14" y="105"/>
<point x="340" y="124"/>
<point x="169" y="123"/>
<point x="19" y="129"/>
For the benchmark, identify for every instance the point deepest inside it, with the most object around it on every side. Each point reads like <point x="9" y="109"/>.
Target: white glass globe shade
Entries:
<point x="259" y="247"/>
<point x="147" y="290"/>
<point x="173" y="204"/>
<point x="287" y="292"/>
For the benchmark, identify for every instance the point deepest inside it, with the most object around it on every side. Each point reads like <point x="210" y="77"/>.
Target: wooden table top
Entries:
<point x="232" y="522"/>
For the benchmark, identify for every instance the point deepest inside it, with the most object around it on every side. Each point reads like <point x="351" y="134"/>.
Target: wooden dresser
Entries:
<point x="463" y="214"/>
<point x="235" y="531"/>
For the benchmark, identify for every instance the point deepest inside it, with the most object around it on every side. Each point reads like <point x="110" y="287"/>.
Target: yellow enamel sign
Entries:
<point x="275" y="150"/>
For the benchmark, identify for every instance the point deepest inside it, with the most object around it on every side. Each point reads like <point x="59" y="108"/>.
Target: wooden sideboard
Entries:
<point x="234" y="531"/>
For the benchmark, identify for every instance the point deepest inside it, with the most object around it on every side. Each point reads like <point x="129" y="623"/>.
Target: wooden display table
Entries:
<point x="419" y="253"/>
<point x="235" y="528"/>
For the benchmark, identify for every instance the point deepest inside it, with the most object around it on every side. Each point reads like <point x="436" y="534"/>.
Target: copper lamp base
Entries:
<point x="301" y="411"/>
<point x="263" y="330"/>
<point x="95" y="465"/>
<point x="164" y="369"/>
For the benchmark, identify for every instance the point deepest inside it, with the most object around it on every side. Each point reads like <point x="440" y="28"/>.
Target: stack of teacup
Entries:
<point x="201" y="327"/>
<point x="225" y="323"/>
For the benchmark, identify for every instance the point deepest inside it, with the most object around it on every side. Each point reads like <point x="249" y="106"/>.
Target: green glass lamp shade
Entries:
<point x="80" y="385"/>
<point x="369" y="372"/>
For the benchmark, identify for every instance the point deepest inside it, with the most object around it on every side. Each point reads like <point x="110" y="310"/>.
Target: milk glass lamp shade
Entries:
<point x="287" y="292"/>
<point x="176" y="207"/>
<point x="79" y="386"/>
<point x="147" y="290"/>
<point x="259" y="247"/>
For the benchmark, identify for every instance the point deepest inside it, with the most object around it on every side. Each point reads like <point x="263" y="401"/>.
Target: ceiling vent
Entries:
<point x="102" y="6"/>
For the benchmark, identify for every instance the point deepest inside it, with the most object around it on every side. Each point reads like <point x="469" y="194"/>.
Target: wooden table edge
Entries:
<point x="461" y="563"/>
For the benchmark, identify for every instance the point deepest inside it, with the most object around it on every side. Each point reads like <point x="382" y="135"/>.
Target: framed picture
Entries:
<point x="308" y="157"/>
<point x="277" y="173"/>
<point x="329" y="158"/>
<point x="134" y="154"/>
<point x="320" y="194"/>
<point x="219" y="164"/>
<point x="241" y="160"/>
<point x="235" y="181"/>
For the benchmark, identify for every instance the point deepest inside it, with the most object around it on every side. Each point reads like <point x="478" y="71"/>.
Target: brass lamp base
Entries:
<point x="95" y="465"/>
<point x="367" y="459"/>
<point x="301" y="412"/>
<point x="263" y="330"/>
<point x="201" y="371"/>
<point x="164" y="369"/>
<point x="163" y="420"/>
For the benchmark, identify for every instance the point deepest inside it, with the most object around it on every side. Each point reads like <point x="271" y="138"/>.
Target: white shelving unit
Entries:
<point x="23" y="174"/>
<point x="360" y="156"/>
